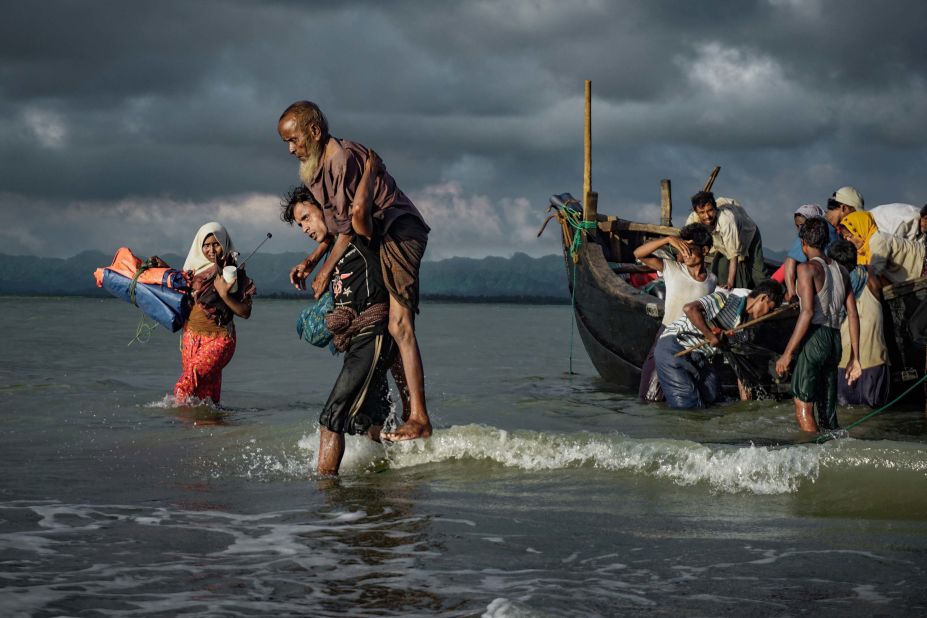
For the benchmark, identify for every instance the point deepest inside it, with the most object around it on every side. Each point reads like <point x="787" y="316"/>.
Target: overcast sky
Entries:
<point x="132" y="123"/>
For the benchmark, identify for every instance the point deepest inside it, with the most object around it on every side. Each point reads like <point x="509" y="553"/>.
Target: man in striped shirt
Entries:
<point x="689" y="381"/>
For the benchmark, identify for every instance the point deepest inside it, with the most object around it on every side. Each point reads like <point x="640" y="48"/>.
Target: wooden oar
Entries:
<point x="711" y="179"/>
<point x="741" y="327"/>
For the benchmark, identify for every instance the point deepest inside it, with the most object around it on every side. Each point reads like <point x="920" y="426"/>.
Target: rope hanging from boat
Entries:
<point x="831" y="436"/>
<point x="579" y="226"/>
<point x="570" y="211"/>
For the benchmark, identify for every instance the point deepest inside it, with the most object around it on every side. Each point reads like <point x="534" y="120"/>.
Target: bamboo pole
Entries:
<point x="711" y="179"/>
<point x="666" y="202"/>
<point x="587" y="151"/>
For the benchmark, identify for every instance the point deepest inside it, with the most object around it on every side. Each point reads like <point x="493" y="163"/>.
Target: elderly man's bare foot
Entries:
<point x="410" y="430"/>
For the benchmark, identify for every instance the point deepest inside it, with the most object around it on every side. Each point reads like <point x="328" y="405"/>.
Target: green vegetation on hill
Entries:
<point x="520" y="277"/>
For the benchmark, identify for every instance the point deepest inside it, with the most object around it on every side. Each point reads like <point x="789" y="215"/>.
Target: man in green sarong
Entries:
<point x="824" y="291"/>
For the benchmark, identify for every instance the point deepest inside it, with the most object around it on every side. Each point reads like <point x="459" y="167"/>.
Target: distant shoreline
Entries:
<point x="520" y="279"/>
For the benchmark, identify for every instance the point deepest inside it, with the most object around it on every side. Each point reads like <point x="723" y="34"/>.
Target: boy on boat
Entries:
<point x="686" y="279"/>
<point x="689" y="380"/>
<point x="359" y="402"/>
<point x="871" y="388"/>
<point x="824" y="292"/>
<point x="738" y="248"/>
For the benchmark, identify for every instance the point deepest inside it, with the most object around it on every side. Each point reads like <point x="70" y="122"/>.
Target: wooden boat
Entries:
<point x="617" y="322"/>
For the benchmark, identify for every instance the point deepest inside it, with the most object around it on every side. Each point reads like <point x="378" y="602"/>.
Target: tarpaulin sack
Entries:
<point x="163" y="294"/>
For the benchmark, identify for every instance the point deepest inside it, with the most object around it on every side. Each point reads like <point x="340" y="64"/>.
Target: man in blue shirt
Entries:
<point x="795" y="255"/>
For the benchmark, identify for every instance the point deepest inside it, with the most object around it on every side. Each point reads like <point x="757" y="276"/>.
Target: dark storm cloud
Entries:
<point x="109" y="110"/>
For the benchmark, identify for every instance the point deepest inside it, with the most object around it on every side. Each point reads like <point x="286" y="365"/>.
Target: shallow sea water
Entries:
<point x="540" y="494"/>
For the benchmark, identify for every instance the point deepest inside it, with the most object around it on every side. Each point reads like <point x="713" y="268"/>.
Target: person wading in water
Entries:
<point x="331" y="168"/>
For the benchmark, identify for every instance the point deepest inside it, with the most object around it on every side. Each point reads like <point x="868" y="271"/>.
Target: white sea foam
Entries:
<point x="169" y="401"/>
<point x="505" y="608"/>
<point x="723" y="468"/>
<point x="264" y="555"/>
<point x="760" y="470"/>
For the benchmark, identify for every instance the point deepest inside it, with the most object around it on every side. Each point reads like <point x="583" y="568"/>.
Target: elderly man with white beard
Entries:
<point x="331" y="169"/>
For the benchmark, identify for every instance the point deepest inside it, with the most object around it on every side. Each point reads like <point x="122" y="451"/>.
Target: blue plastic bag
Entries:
<point x="310" y="324"/>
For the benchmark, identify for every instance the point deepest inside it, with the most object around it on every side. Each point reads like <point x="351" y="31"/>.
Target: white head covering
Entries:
<point x="196" y="260"/>
<point x="810" y="211"/>
<point x="849" y="196"/>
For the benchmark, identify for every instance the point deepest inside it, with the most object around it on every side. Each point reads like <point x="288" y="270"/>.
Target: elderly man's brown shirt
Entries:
<point x="336" y="182"/>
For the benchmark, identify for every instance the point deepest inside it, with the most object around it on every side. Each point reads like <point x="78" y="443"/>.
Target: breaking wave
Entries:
<point x="761" y="470"/>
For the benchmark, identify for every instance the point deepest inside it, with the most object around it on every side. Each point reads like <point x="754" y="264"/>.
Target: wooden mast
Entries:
<point x="589" y="198"/>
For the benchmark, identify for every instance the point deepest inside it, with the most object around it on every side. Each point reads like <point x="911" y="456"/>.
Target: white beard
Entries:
<point x="309" y="167"/>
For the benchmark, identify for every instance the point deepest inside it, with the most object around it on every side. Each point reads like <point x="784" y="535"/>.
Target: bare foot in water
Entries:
<point x="410" y="430"/>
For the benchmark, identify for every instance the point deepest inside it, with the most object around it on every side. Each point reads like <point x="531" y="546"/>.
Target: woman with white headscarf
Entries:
<point x="208" y="341"/>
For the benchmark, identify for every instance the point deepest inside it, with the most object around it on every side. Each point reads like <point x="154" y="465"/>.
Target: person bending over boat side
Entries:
<point x="896" y="219"/>
<point x="871" y="388"/>
<point x="905" y="220"/>
<point x="795" y="255"/>
<point x="686" y="279"/>
<point x="842" y="202"/>
<point x="738" y="247"/>
<point x="208" y="341"/>
<point x="689" y="381"/>
<point x="893" y="258"/>
<point x="331" y="169"/>
<point x="823" y="292"/>
<point x="359" y="402"/>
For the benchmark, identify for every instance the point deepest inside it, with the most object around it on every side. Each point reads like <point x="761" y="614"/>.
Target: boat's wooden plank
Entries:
<point x="901" y="289"/>
<point x="632" y="268"/>
<point x="616" y="224"/>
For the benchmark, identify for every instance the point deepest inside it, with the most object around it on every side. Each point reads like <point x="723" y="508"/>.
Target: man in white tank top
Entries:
<point x="686" y="279"/>
<point x="823" y="291"/>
